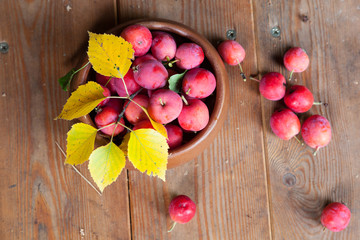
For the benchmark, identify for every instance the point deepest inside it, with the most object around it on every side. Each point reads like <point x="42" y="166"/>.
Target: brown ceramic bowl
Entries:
<point x="204" y="138"/>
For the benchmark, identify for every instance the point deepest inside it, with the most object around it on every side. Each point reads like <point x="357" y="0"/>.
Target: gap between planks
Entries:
<point x="263" y="133"/>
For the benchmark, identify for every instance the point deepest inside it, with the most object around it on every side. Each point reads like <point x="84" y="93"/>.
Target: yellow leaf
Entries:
<point x="148" y="151"/>
<point x="106" y="164"/>
<point x="82" y="101"/>
<point x="80" y="143"/>
<point x="124" y="144"/>
<point x="158" y="127"/>
<point x="110" y="55"/>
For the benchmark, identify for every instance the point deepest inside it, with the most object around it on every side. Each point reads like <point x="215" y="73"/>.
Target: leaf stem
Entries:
<point x="62" y="151"/>
<point x="110" y="124"/>
<point x="131" y="97"/>
<point x="117" y="97"/>
<point x="172" y="227"/>
<point x="108" y="81"/>
<point x="81" y="68"/>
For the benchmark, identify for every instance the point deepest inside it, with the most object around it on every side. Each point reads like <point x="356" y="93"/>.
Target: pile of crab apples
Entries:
<point x="316" y="130"/>
<point x="157" y="58"/>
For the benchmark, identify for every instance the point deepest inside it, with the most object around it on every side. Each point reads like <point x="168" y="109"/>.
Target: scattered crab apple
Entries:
<point x="232" y="53"/>
<point x="296" y="60"/>
<point x="285" y="124"/>
<point x="181" y="209"/>
<point x="335" y="217"/>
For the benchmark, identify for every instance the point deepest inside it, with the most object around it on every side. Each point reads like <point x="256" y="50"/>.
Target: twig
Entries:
<point x="62" y="151"/>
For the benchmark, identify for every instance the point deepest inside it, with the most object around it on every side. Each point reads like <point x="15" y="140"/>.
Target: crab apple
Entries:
<point x="273" y="86"/>
<point x="298" y="98"/>
<point x="115" y="103"/>
<point x="163" y="46"/>
<point x="181" y="210"/>
<point x="104" y="81"/>
<point x="143" y="124"/>
<point x="151" y="74"/>
<point x="296" y="60"/>
<point x="106" y="93"/>
<point x="107" y="116"/>
<point x="141" y="59"/>
<point x="335" y="217"/>
<point x="131" y="85"/>
<point x="189" y="55"/>
<point x="198" y="83"/>
<point x="133" y="112"/>
<point x="194" y="116"/>
<point x="175" y="135"/>
<point x="285" y="124"/>
<point x="232" y="53"/>
<point x="164" y="106"/>
<point x="316" y="132"/>
<point x="139" y="37"/>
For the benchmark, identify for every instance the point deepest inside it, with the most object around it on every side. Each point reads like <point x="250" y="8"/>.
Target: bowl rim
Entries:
<point x="197" y="144"/>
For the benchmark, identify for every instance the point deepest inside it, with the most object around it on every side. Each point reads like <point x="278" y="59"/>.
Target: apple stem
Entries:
<point x="161" y="102"/>
<point x="242" y="72"/>
<point x="316" y="150"/>
<point x="172" y="227"/>
<point x="188" y="91"/>
<point x="171" y="63"/>
<point x="291" y="73"/>
<point x="254" y="79"/>
<point x="317" y="103"/>
<point x="184" y="99"/>
<point x="302" y="144"/>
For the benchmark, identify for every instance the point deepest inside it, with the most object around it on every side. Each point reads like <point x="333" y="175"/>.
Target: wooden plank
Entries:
<point x="301" y="184"/>
<point x="228" y="180"/>
<point x="40" y="198"/>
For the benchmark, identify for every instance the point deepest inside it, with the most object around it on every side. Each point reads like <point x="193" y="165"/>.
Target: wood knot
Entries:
<point x="289" y="180"/>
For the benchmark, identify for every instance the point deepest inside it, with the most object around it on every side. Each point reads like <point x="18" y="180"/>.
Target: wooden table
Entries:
<point x="248" y="184"/>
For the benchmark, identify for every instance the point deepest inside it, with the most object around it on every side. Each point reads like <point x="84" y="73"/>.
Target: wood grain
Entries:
<point x="40" y="198"/>
<point x="301" y="184"/>
<point x="227" y="181"/>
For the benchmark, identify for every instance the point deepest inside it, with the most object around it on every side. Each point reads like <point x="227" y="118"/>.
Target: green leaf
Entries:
<point x="106" y="164"/>
<point x="65" y="80"/>
<point x="80" y="143"/>
<point x="175" y="81"/>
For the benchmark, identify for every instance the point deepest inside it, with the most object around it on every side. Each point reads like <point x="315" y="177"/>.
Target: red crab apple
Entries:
<point x="133" y="112"/>
<point x="181" y="209"/>
<point x="299" y="99"/>
<point x="316" y="132"/>
<point x="194" y="116"/>
<point x="106" y="116"/>
<point x="335" y="217"/>
<point x="141" y="59"/>
<point x="143" y="124"/>
<point x="139" y="37"/>
<point x="232" y="53"/>
<point x="296" y="60"/>
<point x="164" y="106"/>
<point x="131" y="85"/>
<point x="104" y="81"/>
<point x="151" y="74"/>
<point x="115" y="103"/>
<point x="272" y="86"/>
<point x="189" y="55"/>
<point x="198" y="83"/>
<point x="285" y="124"/>
<point x="106" y="93"/>
<point x="163" y="46"/>
<point x="175" y="135"/>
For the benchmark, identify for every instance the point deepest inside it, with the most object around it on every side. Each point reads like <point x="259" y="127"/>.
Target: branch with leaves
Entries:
<point x="146" y="149"/>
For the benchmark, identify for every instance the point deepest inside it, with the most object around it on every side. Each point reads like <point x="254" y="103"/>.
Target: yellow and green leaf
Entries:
<point x="80" y="143"/>
<point x="82" y="101"/>
<point x="106" y="164"/>
<point x="110" y="55"/>
<point x="148" y="151"/>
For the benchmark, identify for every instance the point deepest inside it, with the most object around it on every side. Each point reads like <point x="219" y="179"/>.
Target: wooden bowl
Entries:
<point x="204" y="138"/>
